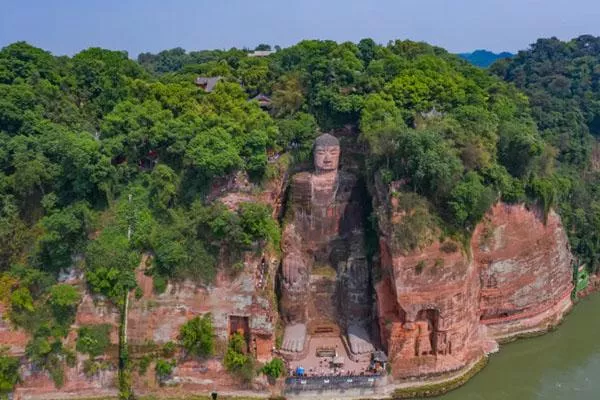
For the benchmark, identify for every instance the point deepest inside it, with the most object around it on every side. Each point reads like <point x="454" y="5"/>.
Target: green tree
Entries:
<point x="110" y="265"/>
<point x="518" y="148"/>
<point x="21" y="300"/>
<point x="197" y="336"/>
<point x="274" y="368"/>
<point x="163" y="187"/>
<point x="47" y="354"/>
<point x="263" y="47"/>
<point x="378" y="115"/>
<point x="64" y="232"/>
<point x="297" y="133"/>
<point x="258" y="224"/>
<point x="14" y="233"/>
<point x="428" y="162"/>
<point x="9" y="373"/>
<point x="213" y="153"/>
<point x="236" y="360"/>
<point x="163" y="369"/>
<point x="288" y="95"/>
<point x="64" y="299"/>
<point x="470" y="200"/>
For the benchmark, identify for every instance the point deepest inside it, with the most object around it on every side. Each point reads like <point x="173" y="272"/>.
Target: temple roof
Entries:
<point x="208" y="83"/>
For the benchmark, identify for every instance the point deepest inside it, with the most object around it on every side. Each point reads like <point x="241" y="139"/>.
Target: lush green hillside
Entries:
<point x="103" y="158"/>
<point x="408" y="98"/>
<point x="484" y="58"/>
<point x="562" y="80"/>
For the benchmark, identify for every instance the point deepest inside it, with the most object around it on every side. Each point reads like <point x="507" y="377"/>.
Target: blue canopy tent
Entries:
<point x="300" y="371"/>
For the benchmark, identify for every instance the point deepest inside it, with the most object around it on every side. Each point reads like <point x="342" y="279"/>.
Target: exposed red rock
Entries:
<point x="14" y="339"/>
<point x="440" y="305"/>
<point x="157" y="318"/>
<point x="525" y="269"/>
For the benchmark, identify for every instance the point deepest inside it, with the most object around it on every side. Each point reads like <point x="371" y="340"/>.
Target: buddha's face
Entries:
<point x="327" y="158"/>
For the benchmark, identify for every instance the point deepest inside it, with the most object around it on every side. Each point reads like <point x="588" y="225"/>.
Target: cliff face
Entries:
<point x="441" y="306"/>
<point x="14" y="339"/>
<point x="432" y="326"/>
<point x="525" y="269"/>
<point x="157" y="318"/>
<point x="242" y="302"/>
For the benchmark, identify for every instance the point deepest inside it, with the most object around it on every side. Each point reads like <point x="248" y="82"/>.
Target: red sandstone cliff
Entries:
<point x="441" y="305"/>
<point x="525" y="269"/>
<point x="427" y="299"/>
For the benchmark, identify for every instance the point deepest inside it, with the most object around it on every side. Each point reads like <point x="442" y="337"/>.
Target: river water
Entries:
<point x="564" y="364"/>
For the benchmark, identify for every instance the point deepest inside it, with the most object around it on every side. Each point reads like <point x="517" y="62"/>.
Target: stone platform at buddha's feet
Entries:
<point x="316" y="365"/>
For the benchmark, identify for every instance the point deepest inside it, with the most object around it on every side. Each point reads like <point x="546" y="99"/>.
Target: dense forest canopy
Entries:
<point x="103" y="158"/>
<point x="562" y="81"/>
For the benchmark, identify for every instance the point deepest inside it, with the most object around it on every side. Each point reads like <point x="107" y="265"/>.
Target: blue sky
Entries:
<point x="68" y="26"/>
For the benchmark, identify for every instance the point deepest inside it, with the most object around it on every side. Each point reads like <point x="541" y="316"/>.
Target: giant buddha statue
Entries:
<point x="325" y="282"/>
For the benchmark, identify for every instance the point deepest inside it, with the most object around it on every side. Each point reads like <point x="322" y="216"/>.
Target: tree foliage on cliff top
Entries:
<point x="562" y="80"/>
<point x="197" y="336"/>
<point x="81" y="135"/>
<point x="455" y="134"/>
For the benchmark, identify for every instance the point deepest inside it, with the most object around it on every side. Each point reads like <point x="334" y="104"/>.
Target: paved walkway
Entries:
<point x="323" y="366"/>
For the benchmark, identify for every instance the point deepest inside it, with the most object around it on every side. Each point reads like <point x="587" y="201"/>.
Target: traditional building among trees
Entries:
<point x="207" y="83"/>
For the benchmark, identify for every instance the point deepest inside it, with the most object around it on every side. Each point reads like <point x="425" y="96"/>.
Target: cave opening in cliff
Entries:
<point x="240" y="325"/>
<point x="427" y="324"/>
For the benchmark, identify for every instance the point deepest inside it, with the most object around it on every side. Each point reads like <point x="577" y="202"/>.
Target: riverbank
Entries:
<point x="592" y="287"/>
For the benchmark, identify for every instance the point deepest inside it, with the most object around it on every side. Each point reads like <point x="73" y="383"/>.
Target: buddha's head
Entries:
<point x="327" y="153"/>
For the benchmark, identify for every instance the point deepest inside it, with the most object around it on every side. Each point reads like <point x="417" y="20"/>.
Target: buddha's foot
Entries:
<point x="294" y="337"/>
<point x="360" y="340"/>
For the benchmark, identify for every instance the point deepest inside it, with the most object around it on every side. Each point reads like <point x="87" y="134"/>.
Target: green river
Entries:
<point x="563" y="364"/>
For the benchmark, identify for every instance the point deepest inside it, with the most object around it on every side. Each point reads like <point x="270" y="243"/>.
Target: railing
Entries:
<point x="320" y="383"/>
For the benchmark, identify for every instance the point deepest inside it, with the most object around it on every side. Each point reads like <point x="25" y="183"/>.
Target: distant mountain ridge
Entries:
<point x="484" y="58"/>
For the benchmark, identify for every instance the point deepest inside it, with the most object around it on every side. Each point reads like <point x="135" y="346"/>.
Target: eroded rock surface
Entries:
<point x="441" y="306"/>
<point x="525" y="269"/>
